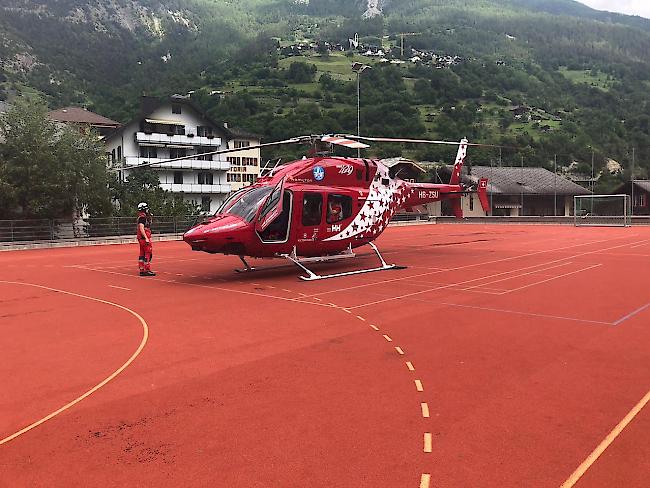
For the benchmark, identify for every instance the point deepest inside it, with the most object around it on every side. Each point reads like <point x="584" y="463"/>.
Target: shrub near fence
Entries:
<point x="60" y="230"/>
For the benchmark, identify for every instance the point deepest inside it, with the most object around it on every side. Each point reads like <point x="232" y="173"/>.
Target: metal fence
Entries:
<point x="55" y="230"/>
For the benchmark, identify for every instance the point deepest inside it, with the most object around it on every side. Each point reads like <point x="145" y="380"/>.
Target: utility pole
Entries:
<point x="402" y="40"/>
<point x="632" y="182"/>
<point x="591" y="186"/>
<point x="521" y="210"/>
<point x="555" y="185"/>
<point x="358" y="68"/>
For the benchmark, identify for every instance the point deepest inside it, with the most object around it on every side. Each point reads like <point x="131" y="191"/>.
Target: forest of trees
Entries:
<point x="582" y="75"/>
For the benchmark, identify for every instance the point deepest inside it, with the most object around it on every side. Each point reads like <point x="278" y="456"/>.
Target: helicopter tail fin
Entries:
<point x="458" y="164"/>
<point x="482" y="194"/>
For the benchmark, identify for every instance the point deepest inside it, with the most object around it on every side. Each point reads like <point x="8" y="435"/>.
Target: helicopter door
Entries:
<point x="271" y="208"/>
<point x="274" y="221"/>
<point x="311" y="216"/>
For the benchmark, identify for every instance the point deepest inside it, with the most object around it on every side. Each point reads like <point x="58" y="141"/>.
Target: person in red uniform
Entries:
<point x="144" y="239"/>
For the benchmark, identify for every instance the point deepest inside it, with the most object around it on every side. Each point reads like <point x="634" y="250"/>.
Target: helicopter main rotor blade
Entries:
<point x="421" y="141"/>
<point x="293" y="140"/>
<point x="345" y="142"/>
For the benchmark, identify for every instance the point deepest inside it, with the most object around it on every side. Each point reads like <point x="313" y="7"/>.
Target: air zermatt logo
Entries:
<point x="319" y="173"/>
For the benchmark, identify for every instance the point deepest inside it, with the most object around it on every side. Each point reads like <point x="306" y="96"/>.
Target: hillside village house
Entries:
<point x="84" y="120"/>
<point x="639" y="193"/>
<point x="519" y="191"/>
<point x="175" y="127"/>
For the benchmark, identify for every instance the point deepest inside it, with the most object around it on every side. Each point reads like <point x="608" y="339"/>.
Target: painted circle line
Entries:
<point x="145" y="336"/>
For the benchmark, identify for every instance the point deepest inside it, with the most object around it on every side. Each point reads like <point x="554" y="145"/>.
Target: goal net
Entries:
<point x="602" y="210"/>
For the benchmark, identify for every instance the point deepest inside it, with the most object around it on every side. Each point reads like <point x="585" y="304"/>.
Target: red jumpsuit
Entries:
<point x="146" y="248"/>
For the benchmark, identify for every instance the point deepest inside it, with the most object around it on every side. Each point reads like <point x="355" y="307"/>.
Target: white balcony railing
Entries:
<point x="193" y="188"/>
<point x="182" y="164"/>
<point x="157" y="138"/>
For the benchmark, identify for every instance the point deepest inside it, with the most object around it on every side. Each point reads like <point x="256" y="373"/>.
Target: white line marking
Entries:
<point x="145" y="336"/>
<point x="632" y="314"/>
<point x="418" y="385"/>
<point x="361" y="318"/>
<point x="553" y="278"/>
<point x="399" y="350"/>
<point x="425" y="409"/>
<point x="209" y="287"/>
<point x="591" y="459"/>
<point x="509" y="258"/>
<point x="388" y="338"/>
<point x="374" y="327"/>
<point x="425" y="480"/>
<point x="120" y="287"/>
<point x="427" y="442"/>
<point x="409" y="365"/>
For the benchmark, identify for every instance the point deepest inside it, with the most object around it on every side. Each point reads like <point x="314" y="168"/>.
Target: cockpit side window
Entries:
<point x="312" y="209"/>
<point x="246" y="206"/>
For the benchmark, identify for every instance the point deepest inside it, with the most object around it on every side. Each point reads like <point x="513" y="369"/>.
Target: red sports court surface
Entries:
<point x="503" y="356"/>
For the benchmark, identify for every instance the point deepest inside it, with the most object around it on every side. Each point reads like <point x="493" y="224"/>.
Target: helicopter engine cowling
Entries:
<point x="225" y="234"/>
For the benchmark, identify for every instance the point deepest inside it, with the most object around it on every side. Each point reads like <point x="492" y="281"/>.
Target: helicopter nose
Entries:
<point x="215" y="236"/>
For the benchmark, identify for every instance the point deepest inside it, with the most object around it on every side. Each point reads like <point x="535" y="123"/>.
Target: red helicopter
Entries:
<point x="322" y="207"/>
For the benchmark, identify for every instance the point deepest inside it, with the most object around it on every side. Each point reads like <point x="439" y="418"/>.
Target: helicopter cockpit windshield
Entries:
<point x="248" y="203"/>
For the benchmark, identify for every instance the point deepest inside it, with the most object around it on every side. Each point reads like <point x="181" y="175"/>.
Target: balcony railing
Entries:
<point x="182" y="164"/>
<point x="195" y="188"/>
<point x="184" y="140"/>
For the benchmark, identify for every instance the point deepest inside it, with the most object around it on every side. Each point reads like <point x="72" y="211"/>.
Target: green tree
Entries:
<point x="48" y="170"/>
<point x="143" y="185"/>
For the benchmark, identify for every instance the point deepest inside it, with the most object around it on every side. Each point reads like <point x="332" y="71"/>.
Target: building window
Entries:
<point x="205" y="178"/>
<point x="113" y="160"/>
<point x="119" y="153"/>
<point x="204" y="131"/>
<point x="178" y="177"/>
<point x="177" y="152"/>
<point x="234" y="160"/>
<point x="239" y="144"/>
<point x="148" y="152"/>
<point x="205" y="204"/>
<point x="204" y="157"/>
<point x="178" y="130"/>
<point x="249" y="161"/>
<point x="233" y="178"/>
<point x="176" y="108"/>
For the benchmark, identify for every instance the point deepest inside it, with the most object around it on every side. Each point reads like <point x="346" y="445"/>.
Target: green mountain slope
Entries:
<point x="580" y="76"/>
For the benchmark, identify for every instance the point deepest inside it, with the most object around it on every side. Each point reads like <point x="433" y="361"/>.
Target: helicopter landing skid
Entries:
<point x="348" y="253"/>
<point x="247" y="267"/>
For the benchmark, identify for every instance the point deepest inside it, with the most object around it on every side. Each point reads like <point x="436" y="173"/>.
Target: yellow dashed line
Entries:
<point x="374" y="327"/>
<point x="409" y="365"/>
<point x="418" y="385"/>
<point x="425" y="409"/>
<point x="399" y="350"/>
<point x="388" y="338"/>
<point x="427" y="442"/>
<point x="425" y="480"/>
<point x="361" y="318"/>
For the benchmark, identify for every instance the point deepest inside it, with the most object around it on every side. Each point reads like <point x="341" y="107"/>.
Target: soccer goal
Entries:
<point x="602" y="210"/>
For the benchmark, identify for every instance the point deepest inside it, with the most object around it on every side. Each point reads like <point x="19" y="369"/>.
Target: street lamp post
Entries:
<point x="358" y="68"/>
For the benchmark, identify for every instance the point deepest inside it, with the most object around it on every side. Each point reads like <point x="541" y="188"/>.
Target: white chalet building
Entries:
<point x="175" y="127"/>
